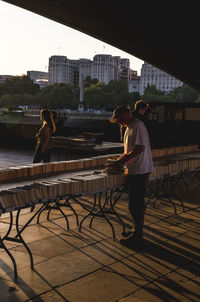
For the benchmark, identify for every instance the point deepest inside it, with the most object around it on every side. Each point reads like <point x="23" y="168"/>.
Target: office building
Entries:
<point x="63" y="70"/>
<point x="38" y="77"/>
<point x="151" y="75"/>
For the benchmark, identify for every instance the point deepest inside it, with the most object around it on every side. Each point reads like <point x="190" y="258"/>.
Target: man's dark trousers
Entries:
<point x="137" y="184"/>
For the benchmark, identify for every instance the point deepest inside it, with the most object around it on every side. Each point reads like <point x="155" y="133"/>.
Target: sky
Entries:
<point x="28" y="40"/>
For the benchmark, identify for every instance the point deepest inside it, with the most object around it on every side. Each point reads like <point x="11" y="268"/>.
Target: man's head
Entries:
<point x="141" y="107"/>
<point x="121" y="115"/>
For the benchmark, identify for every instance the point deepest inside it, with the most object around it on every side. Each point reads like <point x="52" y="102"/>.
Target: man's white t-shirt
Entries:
<point x="136" y="134"/>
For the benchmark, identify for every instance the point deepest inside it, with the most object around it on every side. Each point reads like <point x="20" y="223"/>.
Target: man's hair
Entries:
<point x="141" y="105"/>
<point x="119" y="110"/>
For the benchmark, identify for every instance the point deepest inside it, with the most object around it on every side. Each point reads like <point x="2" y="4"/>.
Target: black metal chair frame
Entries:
<point x="108" y="197"/>
<point x="196" y="174"/>
<point x="165" y="190"/>
<point x="18" y="234"/>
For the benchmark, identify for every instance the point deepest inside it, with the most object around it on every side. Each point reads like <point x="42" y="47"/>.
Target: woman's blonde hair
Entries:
<point x="48" y="118"/>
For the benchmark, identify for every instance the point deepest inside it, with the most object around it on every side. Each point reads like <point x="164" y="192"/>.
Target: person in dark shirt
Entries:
<point x="43" y="136"/>
<point x="140" y="110"/>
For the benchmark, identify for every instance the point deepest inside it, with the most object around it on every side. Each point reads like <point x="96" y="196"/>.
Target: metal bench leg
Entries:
<point x="91" y="212"/>
<point x="2" y="245"/>
<point x="61" y="211"/>
<point x="21" y="239"/>
<point x="68" y="204"/>
<point x="29" y="221"/>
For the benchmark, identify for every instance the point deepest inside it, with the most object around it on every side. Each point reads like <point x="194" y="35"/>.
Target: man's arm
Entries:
<point x="125" y="157"/>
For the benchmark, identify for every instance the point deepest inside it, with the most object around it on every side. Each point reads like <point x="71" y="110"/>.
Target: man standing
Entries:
<point x="138" y="159"/>
<point x="140" y="111"/>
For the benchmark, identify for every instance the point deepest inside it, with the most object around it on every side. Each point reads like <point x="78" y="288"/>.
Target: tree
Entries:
<point x="93" y="96"/>
<point x="15" y="100"/>
<point x="198" y="100"/>
<point x="134" y="97"/>
<point x="154" y="95"/>
<point x="107" y="96"/>
<point x="19" y="85"/>
<point x="184" y="94"/>
<point x="88" y="81"/>
<point x="57" y="95"/>
<point x="119" y="86"/>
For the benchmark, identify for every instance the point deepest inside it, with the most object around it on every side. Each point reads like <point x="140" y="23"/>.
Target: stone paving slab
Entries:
<point x="72" y="267"/>
<point x="103" y="285"/>
<point x="91" y="266"/>
<point x="11" y="158"/>
<point x="173" y="287"/>
<point x="68" y="267"/>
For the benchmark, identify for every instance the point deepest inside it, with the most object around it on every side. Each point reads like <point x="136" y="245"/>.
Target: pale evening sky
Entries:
<point x="28" y="40"/>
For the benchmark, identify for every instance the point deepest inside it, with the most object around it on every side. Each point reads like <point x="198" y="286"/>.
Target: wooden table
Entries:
<point x="75" y="151"/>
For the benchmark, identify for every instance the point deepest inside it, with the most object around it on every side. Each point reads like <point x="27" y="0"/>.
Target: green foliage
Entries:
<point x="89" y="81"/>
<point x="184" y="94"/>
<point x="198" y="100"/>
<point x="19" y="85"/>
<point x="152" y="90"/>
<point x="152" y="95"/>
<point x="108" y="96"/>
<point x="57" y="95"/>
<point x="15" y="100"/>
<point x="22" y="91"/>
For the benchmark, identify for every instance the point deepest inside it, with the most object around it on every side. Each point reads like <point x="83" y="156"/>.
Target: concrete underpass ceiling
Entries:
<point x="162" y="33"/>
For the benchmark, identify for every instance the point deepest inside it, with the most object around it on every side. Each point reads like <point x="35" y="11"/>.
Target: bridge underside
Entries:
<point x="162" y="33"/>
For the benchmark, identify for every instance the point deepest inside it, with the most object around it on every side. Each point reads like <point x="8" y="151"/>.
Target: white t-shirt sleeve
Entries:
<point x="140" y="137"/>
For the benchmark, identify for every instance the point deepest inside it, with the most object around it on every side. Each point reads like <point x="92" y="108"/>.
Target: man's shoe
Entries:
<point x="127" y="234"/>
<point x="132" y="241"/>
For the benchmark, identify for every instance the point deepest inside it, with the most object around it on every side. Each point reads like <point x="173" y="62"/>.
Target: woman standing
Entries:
<point x="43" y="137"/>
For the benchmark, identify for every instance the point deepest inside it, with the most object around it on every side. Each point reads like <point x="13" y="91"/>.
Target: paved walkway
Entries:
<point x="16" y="157"/>
<point x="92" y="267"/>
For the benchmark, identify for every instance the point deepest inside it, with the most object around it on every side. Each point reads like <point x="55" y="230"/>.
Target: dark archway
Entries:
<point x="162" y="33"/>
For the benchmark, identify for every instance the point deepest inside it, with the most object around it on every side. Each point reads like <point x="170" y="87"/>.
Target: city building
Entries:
<point x="85" y="69"/>
<point x="63" y="70"/>
<point x="117" y="67"/>
<point x="106" y="68"/>
<point x="42" y="83"/>
<point x="103" y="68"/>
<point x="38" y="77"/>
<point x="151" y="75"/>
<point x="134" y="85"/>
<point x="35" y="75"/>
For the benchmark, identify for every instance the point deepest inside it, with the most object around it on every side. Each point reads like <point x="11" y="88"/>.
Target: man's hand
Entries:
<point x="114" y="166"/>
<point x="119" y="162"/>
<point x="114" y="163"/>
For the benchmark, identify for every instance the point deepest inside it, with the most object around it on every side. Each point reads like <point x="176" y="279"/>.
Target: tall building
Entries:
<point x="151" y="75"/>
<point x="117" y="67"/>
<point x="103" y="68"/>
<point x="106" y="68"/>
<point x="63" y="70"/>
<point x="85" y="69"/>
<point x="125" y="63"/>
